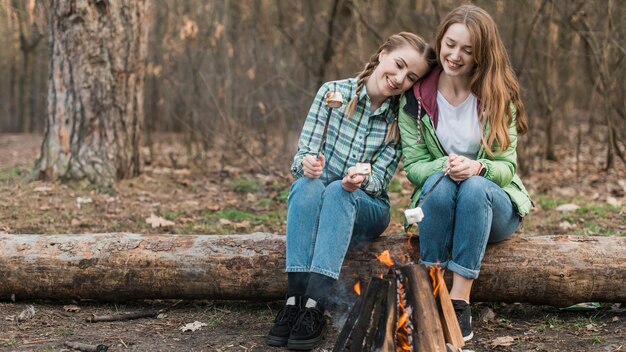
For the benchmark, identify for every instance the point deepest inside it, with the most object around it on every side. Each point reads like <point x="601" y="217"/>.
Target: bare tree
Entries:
<point x="603" y="44"/>
<point x="95" y="90"/>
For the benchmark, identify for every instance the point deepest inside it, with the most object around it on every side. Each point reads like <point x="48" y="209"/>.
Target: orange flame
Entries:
<point x="385" y="258"/>
<point x="435" y="277"/>
<point x="402" y="338"/>
<point x="357" y="288"/>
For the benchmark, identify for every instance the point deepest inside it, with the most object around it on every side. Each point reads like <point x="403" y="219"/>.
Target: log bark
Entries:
<point x="429" y="331"/>
<point x="98" y="52"/>
<point x="555" y="270"/>
<point x="449" y="321"/>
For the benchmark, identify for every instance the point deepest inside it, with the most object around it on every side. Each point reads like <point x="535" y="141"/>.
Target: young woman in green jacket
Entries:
<point x="462" y="120"/>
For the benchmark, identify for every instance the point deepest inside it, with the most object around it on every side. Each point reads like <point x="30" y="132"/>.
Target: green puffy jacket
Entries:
<point x="424" y="156"/>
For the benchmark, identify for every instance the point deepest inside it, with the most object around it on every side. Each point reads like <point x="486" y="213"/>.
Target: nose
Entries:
<point x="400" y="77"/>
<point x="455" y="54"/>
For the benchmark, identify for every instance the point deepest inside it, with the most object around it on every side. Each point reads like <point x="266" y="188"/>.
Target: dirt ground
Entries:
<point x="213" y="196"/>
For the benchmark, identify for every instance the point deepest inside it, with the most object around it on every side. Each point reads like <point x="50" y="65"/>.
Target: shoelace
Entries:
<point x="287" y="313"/>
<point x="308" y="318"/>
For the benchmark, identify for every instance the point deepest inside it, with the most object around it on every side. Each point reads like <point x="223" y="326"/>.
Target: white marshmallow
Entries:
<point x="413" y="216"/>
<point x="363" y="169"/>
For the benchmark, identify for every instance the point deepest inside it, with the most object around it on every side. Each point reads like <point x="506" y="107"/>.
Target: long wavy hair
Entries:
<point x="492" y="80"/>
<point x="392" y="43"/>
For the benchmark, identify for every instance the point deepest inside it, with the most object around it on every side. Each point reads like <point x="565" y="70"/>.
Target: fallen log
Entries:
<point x="555" y="270"/>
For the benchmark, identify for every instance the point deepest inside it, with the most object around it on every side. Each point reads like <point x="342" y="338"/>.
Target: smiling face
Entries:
<point x="456" y="52"/>
<point x="396" y="72"/>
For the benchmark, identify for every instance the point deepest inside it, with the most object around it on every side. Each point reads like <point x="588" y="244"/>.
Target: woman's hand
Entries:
<point x="352" y="181"/>
<point x="313" y="167"/>
<point x="462" y="168"/>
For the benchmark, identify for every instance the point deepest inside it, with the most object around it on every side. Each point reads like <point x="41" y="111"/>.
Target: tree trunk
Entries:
<point x="556" y="270"/>
<point x="95" y="90"/>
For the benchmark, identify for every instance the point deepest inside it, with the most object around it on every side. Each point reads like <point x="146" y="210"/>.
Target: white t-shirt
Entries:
<point x="459" y="128"/>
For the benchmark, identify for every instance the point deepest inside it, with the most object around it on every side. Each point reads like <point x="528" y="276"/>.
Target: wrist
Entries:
<point x="481" y="169"/>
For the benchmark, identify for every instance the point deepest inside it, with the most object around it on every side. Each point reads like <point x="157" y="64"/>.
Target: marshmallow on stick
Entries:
<point x="413" y="216"/>
<point x="364" y="169"/>
<point x="334" y="100"/>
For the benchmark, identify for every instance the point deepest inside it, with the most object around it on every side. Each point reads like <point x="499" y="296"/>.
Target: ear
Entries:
<point x="382" y="54"/>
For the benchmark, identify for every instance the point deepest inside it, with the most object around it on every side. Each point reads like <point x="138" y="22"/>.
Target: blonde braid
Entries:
<point x="393" y="133"/>
<point x="363" y="76"/>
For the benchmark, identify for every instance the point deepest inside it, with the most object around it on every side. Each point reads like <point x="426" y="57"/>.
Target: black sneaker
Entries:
<point x="309" y="330"/>
<point x="464" y="316"/>
<point x="284" y="322"/>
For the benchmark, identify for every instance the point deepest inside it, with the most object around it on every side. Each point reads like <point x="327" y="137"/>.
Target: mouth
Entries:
<point x="453" y="65"/>
<point x="391" y="84"/>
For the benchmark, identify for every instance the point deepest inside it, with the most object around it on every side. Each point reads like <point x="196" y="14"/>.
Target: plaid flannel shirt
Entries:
<point x="350" y="140"/>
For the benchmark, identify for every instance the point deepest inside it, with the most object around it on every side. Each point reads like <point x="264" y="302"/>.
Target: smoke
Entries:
<point x="341" y="300"/>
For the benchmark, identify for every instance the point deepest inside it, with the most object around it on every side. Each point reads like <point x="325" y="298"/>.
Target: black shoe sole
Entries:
<point x="276" y="341"/>
<point x="306" y="345"/>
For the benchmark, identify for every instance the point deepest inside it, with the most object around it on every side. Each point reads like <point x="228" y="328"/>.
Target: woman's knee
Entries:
<point x="334" y="189"/>
<point x="306" y="189"/>
<point x="443" y="195"/>
<point x="476" y="188"/>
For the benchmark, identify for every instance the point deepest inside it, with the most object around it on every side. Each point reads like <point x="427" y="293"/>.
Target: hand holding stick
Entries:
<point x="416" y="214"/>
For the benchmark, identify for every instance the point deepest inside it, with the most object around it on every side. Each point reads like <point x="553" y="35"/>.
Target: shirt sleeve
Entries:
<point x="311" y="136"/>
<point x="419" y="162"/>
<point x="501" y="167"/>
<point x="383" y="168"/>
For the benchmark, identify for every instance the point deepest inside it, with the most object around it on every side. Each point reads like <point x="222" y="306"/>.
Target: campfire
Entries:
<point x="409" y="309"/>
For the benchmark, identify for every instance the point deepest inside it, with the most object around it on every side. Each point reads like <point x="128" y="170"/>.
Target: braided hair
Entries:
<point x="392" y="43"/>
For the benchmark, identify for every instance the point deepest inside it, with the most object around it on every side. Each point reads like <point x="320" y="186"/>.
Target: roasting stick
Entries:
<point x="333" y="100"/>
<point x="416" y="214"/>
<point x="430" y="191"/>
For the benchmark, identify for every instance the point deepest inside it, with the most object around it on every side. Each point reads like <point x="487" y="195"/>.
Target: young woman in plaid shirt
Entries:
<point x="330" y="205"/>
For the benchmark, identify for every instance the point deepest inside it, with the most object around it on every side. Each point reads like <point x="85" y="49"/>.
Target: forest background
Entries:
<point x="242" y="74"/>
<point x="227" y="87"/>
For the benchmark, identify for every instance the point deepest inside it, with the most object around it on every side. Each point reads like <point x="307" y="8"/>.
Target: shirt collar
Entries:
<point x="383" y="110"/>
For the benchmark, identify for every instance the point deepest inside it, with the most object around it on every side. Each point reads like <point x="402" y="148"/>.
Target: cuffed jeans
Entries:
<point x="460" y="219"/>
<point x="322" y="221"/>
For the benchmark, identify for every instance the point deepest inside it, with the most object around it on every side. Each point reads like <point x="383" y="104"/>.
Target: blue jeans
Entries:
<point x="322" y="221"/>
<point x="460" y="219"/>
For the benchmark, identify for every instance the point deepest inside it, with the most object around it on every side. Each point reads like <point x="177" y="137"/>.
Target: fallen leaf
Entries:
<point x="213" y="207"/>
<point x="565" y="225"/>
<point x="83" y="200"/>
<point x="487" y="315"/>
<point x="26" y="314"/>
<point x="225" y="222"/>
<point x="196" y="325"/>
<point x="502" y="341"/>
<point x="157" y="221"/>
<point x="615" y="319"/>
<point x="591" y="327"/>
<point x="72" y="308"/>
<point x="567" y="207"/>
<point x="241" y="225"/>
<point x="613" y="202"/>
<point x="42" y="189"/>
<point x="75" y="223"/>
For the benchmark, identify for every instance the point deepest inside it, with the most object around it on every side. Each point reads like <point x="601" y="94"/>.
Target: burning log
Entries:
<point x="425" y="310"/>
<point x="397" y="313"/>
<point x="556" y="270"/>
<point x="449" y="322"/>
